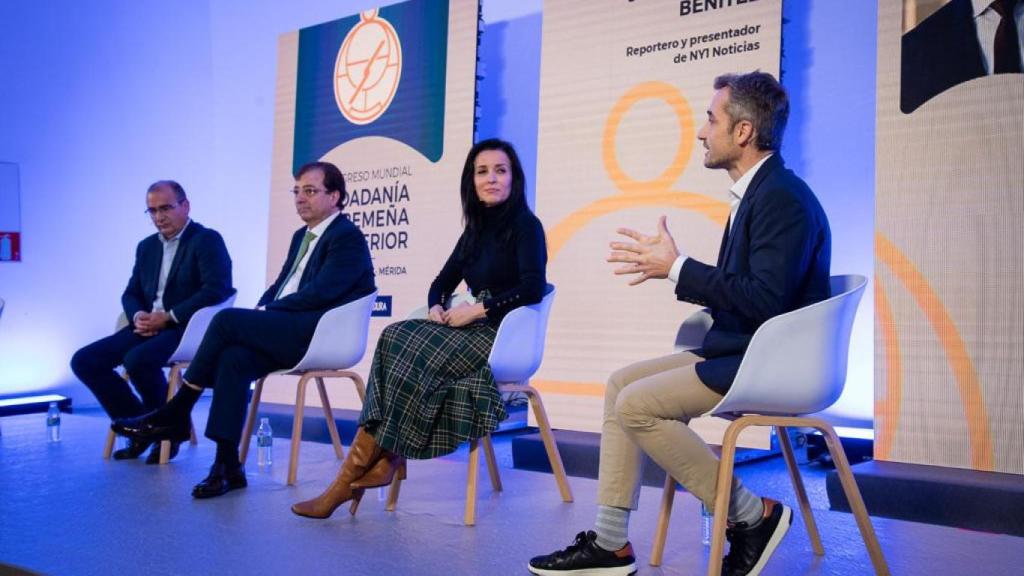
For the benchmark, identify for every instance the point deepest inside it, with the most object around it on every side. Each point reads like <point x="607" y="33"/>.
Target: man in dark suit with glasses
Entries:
<point x="180" y="269"/>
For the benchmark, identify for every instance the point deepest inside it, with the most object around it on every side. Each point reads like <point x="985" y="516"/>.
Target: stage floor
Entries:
<point x="66" y="511"/>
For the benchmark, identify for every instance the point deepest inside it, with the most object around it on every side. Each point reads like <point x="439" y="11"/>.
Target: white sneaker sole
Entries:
<point x="616" y="571"/>
<point x="773" y="542"/>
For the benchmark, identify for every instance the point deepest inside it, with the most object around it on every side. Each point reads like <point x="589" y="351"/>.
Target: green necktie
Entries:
<point x="303" y="248"/>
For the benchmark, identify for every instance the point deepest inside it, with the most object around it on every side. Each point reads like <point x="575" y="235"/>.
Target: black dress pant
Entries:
<point x="240" y="346"/>
<point x="144" y="359"/>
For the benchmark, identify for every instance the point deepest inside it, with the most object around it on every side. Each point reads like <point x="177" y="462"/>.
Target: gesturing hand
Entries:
<point x="647" y="256"/>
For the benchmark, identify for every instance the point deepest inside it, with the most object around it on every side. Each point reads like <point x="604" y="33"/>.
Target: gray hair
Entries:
<point x="179" y="192"/>
<point x="758" y="98"/>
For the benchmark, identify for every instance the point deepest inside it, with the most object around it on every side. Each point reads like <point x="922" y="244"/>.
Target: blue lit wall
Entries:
<point x="97" y="100"/>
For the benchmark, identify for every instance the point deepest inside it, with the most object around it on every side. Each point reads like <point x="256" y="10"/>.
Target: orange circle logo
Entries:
<point x="368" y="69"/>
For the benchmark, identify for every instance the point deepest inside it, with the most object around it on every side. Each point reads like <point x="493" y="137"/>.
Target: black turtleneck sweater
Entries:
<point x="512" y="272"/>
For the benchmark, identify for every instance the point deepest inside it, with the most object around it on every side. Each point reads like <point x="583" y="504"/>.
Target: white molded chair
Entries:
<point x="178" y="362"/>
<point x="338" y="344"/>
<point x="795" y="365"/>
<point x="516" y="355"/>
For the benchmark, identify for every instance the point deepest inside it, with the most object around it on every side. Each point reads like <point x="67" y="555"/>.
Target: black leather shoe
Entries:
<point x="584" y="556"/>
<point x="751" y="547"/>
<point x="144" y="429"/>
<point x="134" y="449"/>
<point x="221" y="480"/>
<point x="154" y="454"/>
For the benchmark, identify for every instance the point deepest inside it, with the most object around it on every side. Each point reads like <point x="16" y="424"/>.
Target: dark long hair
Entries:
<point x="473" y="208"/>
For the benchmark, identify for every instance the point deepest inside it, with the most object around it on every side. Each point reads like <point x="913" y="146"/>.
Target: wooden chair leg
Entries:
<point x="360" y="386"/>
<point x="801" y="493"/>
<point x="300" y="404"/>
<point x="250" y="421"/>
<point x="722" y="495"/>
<point x="668" y="496"/>
<point x="332" y="427"/>
<point x="550" y="446"/>
<point x="392" y="501"/>
<point x="860" y="512"/>
<point x="471" y="477"/>
<point x="108" y="446"/>
<point x="492" y="464"/>
<point x="172" y="386"/>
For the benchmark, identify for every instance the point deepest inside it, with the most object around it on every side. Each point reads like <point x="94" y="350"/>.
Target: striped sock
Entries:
<point x="611" y="527"/>
<point x="744" y="505"/>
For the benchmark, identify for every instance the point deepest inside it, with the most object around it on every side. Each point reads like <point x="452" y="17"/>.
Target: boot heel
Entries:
<point x="401" y="471"/>
<point x="357" y="497"/>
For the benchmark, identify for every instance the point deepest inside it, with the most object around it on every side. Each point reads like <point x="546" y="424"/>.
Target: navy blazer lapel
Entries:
<point x="315" y="255"/>
<point x="153" y="259"/>
<point x="293" y="251"/>
<point x="748" y="198"/>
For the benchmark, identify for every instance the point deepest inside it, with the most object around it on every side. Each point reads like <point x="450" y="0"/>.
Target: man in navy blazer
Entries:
<point x="958" y="43"/>
<point x="178" y="270"/>
<point x="774" y="258"/>
<point x="328" y="265"/>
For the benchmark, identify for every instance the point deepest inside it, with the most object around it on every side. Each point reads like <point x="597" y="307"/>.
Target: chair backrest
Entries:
<point x="692" y="331"/>
<point x="796" y="362"/>
<point x="195" y="329"/>
<point x="339" y="341"/>
<point x="519" y="346"/>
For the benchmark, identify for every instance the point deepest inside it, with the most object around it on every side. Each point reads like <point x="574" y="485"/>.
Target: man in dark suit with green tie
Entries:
<point x="328" y="265"/>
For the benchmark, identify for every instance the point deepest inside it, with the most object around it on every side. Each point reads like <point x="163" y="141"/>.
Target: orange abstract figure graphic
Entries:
<point x="633" y="193"/>
<point x="368" y="69"/>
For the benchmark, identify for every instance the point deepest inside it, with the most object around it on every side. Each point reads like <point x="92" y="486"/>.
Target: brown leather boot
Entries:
<point x="361" y="457"/>
<point x="383" y="472"/>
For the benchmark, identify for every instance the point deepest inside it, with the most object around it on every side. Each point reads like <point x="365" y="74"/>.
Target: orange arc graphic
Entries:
<point x="635" y="193"/>
<point x="978" y="427"/>
<point x="889" y="408"/>
<point x="716" y="210"/>
<point x="684" y="148"/>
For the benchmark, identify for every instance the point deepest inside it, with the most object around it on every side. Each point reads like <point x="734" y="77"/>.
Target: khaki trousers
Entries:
<point x="647" y="406"/>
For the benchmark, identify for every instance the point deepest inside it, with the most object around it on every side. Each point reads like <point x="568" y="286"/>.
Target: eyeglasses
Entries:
<point x="161" y="209"/>
<point x="307" y="191"/>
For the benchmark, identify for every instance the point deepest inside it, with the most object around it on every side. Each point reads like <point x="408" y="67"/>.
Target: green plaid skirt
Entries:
<point x="431" y="388"/>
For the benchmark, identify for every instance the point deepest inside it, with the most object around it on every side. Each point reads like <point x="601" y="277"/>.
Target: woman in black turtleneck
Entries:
<point x="430" y="387"/>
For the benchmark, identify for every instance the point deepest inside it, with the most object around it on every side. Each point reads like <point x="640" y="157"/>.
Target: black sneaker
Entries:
<point x="750" y="548"/>
<point x="585" y="558"/>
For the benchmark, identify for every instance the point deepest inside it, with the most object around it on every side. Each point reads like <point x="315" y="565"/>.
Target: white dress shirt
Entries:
<point x="986" y="21"/>
<point x="291" y="286"/>
<point x="170" y="246"/>
<point x="736" y="193"/>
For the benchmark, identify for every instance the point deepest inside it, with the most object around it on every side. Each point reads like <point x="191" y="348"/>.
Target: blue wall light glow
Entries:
<point x="136" y="92"/>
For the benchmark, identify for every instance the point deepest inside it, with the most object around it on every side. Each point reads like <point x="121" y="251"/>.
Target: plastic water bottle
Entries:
<point x="705" y="525"/>
<point x="53" y="422"/>
<point x="264" y="443"/>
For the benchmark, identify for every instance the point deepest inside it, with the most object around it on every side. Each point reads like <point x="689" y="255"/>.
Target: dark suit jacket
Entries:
<point x="775" y="259"/>
<point x="939" y="53"/>
<point x="200" y="274"/>
<point x="339" y="271"/>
